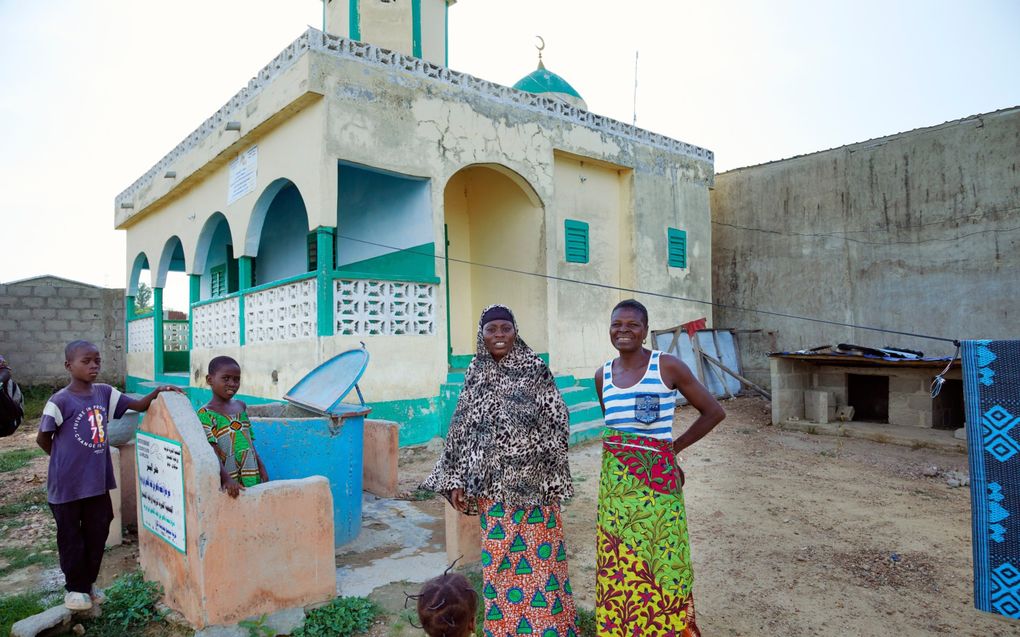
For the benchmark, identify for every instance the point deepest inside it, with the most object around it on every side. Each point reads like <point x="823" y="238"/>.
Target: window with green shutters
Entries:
<point x="677" y="248"/>
<point x="218" y="281"/>
<point x="575" y="235"/>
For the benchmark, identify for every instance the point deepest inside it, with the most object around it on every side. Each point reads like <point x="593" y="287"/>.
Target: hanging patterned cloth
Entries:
<point x="991" y="392"/>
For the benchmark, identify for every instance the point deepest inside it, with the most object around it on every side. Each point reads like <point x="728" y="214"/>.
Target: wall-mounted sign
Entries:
<point x="243" y="172"/>
<point x="161" y="488"/>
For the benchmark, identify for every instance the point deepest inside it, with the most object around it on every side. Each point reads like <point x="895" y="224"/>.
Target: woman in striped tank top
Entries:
<point x="644" y="579"/>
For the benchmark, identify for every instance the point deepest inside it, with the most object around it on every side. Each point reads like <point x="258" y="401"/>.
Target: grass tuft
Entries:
<point x="18" y="607"/>
<point x="17" y="459"/>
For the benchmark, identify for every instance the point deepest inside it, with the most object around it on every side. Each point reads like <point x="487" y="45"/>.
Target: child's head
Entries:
<point x="447" y="605"/>
<point x="224" y="377"/>
<point x="81" y="359"/>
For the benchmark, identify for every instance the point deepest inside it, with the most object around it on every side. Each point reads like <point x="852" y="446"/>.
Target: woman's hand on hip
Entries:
<point x="458" y="500"/>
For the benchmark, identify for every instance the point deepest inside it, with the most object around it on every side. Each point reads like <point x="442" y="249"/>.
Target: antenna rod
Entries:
<point x="635" y="87"/>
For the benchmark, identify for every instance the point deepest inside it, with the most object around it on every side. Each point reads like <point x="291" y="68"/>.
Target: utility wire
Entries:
<point x="606" y="286"/>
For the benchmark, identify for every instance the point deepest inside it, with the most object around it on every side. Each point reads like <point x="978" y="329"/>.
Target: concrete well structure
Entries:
<point x="357" y="193"/>
<point x="269" y="549"/>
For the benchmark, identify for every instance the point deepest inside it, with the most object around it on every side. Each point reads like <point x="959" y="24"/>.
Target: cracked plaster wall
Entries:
<point x="915" y="232"/>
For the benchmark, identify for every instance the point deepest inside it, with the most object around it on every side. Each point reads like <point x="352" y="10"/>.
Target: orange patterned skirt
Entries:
<point x="524" y="566"/>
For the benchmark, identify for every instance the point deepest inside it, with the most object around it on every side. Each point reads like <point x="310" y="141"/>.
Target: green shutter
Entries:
<point x="218" y="281"/>
<point x="313" y="252"/>
<point x="677" y="248"/>
<point x="575" y="235"/>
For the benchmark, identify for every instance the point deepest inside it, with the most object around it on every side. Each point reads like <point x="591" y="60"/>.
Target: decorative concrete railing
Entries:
<point x="140" y="334"/>
<point x="216" y="324"/>
<point x="366" y="307"/>
<point x="175" y="336"/>
<point x="313" y="39"/>
<point x="282" y="313"/>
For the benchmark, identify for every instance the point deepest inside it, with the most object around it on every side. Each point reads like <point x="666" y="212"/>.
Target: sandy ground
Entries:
<point x="792" y="534"/>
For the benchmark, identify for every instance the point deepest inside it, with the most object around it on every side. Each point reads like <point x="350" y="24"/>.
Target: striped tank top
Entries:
<point x="646" y="408"/>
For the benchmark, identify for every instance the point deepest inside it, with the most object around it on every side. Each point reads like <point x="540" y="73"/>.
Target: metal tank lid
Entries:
<point x="323" y="389"/>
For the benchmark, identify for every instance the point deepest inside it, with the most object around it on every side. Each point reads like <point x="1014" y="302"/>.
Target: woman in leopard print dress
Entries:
<point x="505" y="460"/>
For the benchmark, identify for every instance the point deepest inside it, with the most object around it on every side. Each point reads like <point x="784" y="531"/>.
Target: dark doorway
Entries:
<point x="947" y="408"/>
<point x="869" y="396"/>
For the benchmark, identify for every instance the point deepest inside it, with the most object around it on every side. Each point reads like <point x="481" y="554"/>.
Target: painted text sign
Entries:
<point x="161" y="488"/>
<point x="243" y="172"/>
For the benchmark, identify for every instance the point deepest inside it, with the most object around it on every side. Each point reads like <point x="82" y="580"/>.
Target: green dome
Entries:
<point x="542" y="80"/>
<point x="545" y="81"/>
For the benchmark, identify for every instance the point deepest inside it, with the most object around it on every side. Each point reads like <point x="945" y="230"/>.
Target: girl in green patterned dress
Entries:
<point x="228" y="429"/>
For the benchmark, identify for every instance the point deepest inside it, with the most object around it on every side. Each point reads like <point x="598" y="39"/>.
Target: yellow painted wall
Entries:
<point x="503" y="228"/>
<point x="386" y="24"/>
<point x="463" y="319"/>
<point x="186" y="214"/>
<point x="433" y="31"/>
<point x="598" y="194"/>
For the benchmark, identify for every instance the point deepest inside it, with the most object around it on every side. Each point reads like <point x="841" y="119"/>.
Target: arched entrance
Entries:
<point x="494" y="217"/>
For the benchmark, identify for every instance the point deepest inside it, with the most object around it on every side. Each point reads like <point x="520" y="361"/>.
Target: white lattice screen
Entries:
<point x="384" y="307"/>
<point x="175" y="336"/>
<point x="283" y="313"/>
<point x="140" y="335"/>
<point x="216" y="324"/>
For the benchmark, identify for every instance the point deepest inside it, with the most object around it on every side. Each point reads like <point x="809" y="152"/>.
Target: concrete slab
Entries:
<point x="399" y="542"/>
<point x="906" y="436"/>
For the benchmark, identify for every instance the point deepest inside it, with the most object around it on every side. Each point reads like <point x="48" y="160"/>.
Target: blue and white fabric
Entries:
<point x="646" y="408"/>
<point x="991" y="385"/>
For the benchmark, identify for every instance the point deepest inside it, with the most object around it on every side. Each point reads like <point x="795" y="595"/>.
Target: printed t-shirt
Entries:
<point x="80" y="464"/>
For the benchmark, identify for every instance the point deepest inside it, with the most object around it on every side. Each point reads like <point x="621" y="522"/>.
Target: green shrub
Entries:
<point x="342" y="617"/>
<point x="586" y="622"/>
<point x="17" y="607"/>
<point x="130" y="606"/>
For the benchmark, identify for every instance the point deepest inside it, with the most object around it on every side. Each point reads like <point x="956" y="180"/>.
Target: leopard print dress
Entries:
<point x="508" y="436"/>
<point x="507" y="449"/>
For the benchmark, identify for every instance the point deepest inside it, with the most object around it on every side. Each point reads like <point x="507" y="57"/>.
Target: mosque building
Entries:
<point x="357" y="190"/>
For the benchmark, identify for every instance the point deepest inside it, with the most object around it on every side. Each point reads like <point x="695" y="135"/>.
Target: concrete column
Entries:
<point x="463" y="537"/>
<point x="116" y="536"/>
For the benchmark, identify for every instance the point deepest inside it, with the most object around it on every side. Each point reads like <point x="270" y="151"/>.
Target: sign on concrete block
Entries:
<point x="243" y="172"/>
<point x="161" y="488"/>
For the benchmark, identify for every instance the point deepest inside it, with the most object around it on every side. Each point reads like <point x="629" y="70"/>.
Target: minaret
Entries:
<point x="411" y="27"/>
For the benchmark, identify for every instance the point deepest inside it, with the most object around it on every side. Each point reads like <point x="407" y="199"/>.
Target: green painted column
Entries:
<point x="194" y="296"/>
<point x="325" y="248"/>
<point x="157" y="332"/>
<point x="416" y="28"/>
<point x="245" y="281"/>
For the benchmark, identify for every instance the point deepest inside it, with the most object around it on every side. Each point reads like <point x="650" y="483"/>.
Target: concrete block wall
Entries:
<point x="39" y="316"/>
<point x="789" y="380"/>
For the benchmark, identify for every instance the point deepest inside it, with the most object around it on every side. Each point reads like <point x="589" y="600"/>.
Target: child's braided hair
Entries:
<point x="447" y="605"/>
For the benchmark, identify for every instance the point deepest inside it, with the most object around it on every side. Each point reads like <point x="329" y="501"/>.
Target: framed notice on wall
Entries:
<point x="243" y="173"/>
<point x="160" y="464"/>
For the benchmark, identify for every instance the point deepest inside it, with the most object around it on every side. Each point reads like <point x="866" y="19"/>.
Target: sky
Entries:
<point x="94" y="92"/>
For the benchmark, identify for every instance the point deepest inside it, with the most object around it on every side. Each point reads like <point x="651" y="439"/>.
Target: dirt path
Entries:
<point x="801" y="535"/>
<point x="792" y="534"/>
